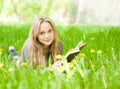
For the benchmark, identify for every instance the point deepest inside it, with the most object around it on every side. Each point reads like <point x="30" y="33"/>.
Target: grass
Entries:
<point x="96" y="67"/>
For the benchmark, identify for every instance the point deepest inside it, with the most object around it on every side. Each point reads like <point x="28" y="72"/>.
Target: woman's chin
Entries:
<point x="47" y="44"/>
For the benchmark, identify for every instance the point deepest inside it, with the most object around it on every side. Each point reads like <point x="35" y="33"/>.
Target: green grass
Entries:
<point x="92" y="71"/>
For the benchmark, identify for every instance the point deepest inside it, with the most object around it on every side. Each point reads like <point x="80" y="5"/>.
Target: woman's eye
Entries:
<point x="41" y="32"/>
<point x="50" y="30"/>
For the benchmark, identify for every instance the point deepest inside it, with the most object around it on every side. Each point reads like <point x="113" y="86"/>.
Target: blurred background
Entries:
<point x="62" y="11"/>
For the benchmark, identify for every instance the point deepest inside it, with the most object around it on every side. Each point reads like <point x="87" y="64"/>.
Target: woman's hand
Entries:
<point x="57" y="64"/>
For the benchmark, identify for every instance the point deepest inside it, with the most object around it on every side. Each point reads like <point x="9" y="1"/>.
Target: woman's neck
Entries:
<point x="46" y="49"/>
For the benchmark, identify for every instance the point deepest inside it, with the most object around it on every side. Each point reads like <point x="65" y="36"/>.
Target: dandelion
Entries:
<point x="59" y="57"/>
<point x="38" y="66"/>
<point x="99" y="51"/>
<point x="103" y="67"/>
<point x="1" y="49"/>
<point x="10" y="69"/>
<point x="16" y="57"/>
<point x="1" y="65"/>
<point x="92" y="51"/>
<point x="0" y="53"/>
<point x="70" y="64"/>
<point x="50" y="65"/>
<point x="23" y="64"/>
<point x="73" y="62"/>
<point x="93" y="67"/>
<point x="82" y="54"/>
<point x="61" y="68"/>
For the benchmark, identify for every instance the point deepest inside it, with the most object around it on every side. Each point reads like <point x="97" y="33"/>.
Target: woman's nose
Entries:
<point x="46" y="35"/>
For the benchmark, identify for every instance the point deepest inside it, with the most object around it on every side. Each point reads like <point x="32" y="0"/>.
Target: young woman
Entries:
<point x="41" y="44"/>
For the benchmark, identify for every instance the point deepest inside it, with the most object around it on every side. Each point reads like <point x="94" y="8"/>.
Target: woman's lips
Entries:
<point x="47" y="40"/>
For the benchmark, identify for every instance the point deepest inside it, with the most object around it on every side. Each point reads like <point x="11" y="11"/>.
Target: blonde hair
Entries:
<point x="36" y="54"/>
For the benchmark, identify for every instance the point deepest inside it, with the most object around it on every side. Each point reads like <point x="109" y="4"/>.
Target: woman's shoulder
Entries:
<point x="26" y="44"/>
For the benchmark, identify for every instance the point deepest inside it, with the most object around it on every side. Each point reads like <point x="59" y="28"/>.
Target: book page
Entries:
<point x="70" y="55"/>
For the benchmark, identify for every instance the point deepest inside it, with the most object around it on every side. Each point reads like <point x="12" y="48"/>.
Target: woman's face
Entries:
<point x="46" y="34"/>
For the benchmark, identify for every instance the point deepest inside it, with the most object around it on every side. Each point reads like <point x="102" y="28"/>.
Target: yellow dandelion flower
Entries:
<point x="15" y="57"/>
<point x="103" y="67"/>
<point x="61" y="68"/>
<point x="1" y="49"/>
<point x="82" y="54"/>
<point x="99" y="51"/>
<point x="59" y="57"/>
<point x="73" y="62"/>
<point x="50" y="65"/>
<point x="92" y="66"/>
<point x="23" y="64"/>
<point x="70" y="64"/>
<point x="92" y="51"/>
<point x="10" y="69"/>
<point x="1" y="65"/>
<point x="38" y="66"/>
<point x="119" y="62"/>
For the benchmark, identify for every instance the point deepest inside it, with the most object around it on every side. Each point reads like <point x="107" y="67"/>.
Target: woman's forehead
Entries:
<point x="45" y="25"/>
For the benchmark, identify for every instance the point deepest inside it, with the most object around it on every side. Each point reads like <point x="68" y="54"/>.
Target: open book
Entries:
<point x="70" y="55"/>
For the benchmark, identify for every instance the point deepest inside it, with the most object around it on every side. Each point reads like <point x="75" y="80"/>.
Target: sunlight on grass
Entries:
<point x="97" y="66"/>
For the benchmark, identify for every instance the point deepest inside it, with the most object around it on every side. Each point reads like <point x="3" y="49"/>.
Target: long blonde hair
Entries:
<point x="36" y="54"/>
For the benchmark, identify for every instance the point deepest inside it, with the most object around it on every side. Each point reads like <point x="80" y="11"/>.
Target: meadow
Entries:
<point x="97" y="66"/>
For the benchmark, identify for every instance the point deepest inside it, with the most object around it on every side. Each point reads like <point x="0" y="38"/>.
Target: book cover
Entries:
<point x="70" y="55"/>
